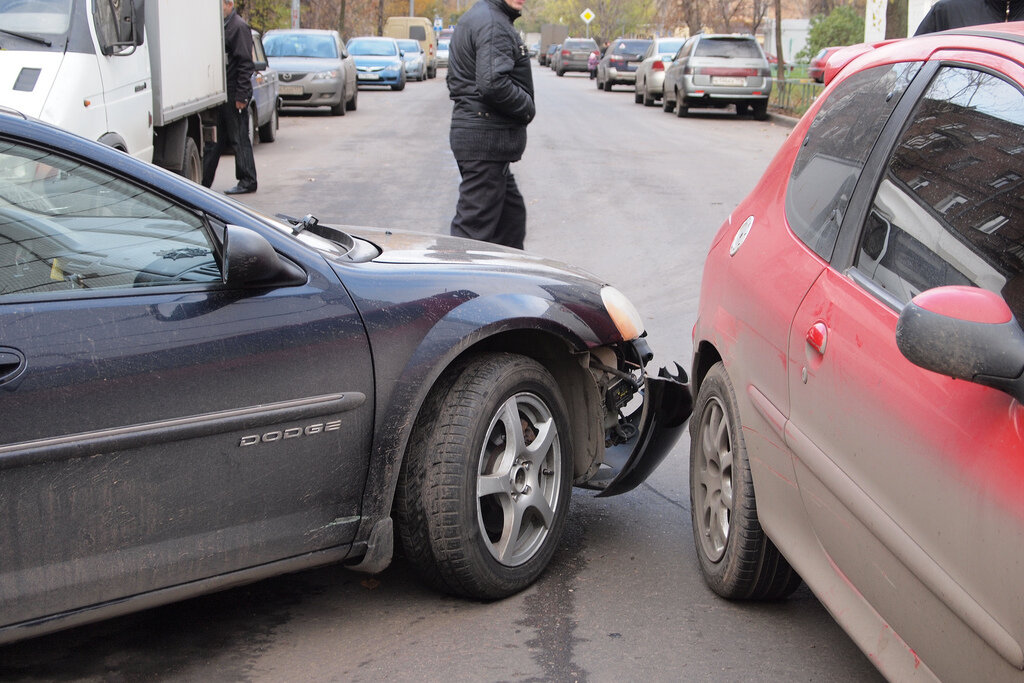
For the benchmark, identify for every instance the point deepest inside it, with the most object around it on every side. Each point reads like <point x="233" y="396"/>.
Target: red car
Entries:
<point x="859" y="362"/>
<point x="816" y="70"/>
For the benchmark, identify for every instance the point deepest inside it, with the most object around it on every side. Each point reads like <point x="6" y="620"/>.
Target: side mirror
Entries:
<point x="250" y="261"/>
<point x="966" y="333"/>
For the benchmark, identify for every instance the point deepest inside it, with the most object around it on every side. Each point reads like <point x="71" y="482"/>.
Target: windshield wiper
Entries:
<point x="26" y="36"/>
<point x="299" y="224"/>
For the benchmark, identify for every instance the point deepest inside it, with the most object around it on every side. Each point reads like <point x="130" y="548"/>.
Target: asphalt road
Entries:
<point x="630" y="193"/>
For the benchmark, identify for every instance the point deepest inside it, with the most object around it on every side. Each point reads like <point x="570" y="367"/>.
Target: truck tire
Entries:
<point x="192" y="163"/>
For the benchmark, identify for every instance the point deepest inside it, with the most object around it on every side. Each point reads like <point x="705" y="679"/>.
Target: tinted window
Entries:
<point x="417" y="33"/>
<point x="728" y="47"/>
<point x="65" y="225"/>
<point x="579" y="45"/>
<point x="630" y="47"/>
<point x="835" y="150"/>
<point x="950" y="209"/>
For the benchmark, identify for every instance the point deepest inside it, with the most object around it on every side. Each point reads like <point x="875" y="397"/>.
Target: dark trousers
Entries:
<point x="232" y="128"/>
<point x="490" y="206"/>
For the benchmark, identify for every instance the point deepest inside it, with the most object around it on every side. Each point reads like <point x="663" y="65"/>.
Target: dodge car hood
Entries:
<point x="413" y="247"/>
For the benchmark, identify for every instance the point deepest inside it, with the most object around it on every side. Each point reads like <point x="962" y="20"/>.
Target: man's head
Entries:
<point x="228" y="5"/>
<point x="517" y="5"/>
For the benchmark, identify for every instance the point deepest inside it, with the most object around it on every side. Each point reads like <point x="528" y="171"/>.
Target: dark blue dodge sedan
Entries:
<point x="196" y="396"/>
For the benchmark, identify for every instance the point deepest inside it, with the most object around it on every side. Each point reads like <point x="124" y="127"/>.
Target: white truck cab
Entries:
<point x="135" y="74"/>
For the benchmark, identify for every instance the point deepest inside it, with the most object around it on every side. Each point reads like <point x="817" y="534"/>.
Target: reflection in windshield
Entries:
<point x="373" y="48"/>
<point x="300" y="45"/>
<point x="51" y="17"/>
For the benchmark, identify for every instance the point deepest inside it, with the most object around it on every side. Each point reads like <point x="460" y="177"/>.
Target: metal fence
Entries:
<point x="794" y="97"/>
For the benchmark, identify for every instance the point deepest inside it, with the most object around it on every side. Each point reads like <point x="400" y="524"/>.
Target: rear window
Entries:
<point x="631" y="47"/>
<point x="736" y="48"/>
<point x="579" y="45"/>
<point x="669" y="46"/>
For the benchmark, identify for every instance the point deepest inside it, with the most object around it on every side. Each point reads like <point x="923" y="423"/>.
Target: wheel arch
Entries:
<point x="562" y="350"/>
<point x="704" y="358"/>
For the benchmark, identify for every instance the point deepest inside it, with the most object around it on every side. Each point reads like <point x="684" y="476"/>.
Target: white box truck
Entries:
<point x="137" y="75"/>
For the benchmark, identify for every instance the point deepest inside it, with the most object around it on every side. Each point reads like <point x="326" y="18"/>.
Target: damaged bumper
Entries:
<point x="654" y="428"/>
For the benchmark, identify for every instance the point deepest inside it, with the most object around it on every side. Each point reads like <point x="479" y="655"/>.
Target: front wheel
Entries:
<point x="484" y="490"/>
<point x="737" y="559"/>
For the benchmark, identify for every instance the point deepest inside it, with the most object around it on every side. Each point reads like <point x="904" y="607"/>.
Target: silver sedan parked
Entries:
<point x="717" y="71"/>
<point x="650" y="75"/>
<point x="314" y="69"/>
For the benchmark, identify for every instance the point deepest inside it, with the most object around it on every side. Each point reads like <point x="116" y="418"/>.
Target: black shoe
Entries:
<point x="241" y="189"/>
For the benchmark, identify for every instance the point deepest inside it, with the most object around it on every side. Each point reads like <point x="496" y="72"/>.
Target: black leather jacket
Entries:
<point x="949" y="14"/>
<point x="238" y="46"/>
<point x="489" y="74"/>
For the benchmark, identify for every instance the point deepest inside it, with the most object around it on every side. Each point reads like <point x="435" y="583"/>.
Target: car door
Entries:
<point x="913" y="480"/>
<point x="159" y="425"/>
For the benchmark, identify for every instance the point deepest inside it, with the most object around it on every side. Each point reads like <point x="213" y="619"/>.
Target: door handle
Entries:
<point x="817" y="337"/>
<point x="12" y="364"/>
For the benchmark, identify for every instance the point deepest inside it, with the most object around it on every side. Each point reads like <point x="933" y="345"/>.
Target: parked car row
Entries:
<point x="703" y="71"/>
<point x="313" y="68"/>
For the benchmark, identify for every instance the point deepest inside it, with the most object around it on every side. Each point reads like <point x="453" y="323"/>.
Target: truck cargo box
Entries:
<point x="186" y="48"/>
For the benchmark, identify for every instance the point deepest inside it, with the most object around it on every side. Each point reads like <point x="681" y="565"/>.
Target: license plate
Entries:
<point x="289" y="90"/>
<point x="369" y="77"/>
<point x="733" y="81"/>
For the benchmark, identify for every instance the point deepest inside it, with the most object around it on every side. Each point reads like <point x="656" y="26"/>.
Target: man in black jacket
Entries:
<point x="491" y="84"/>
<point x="947" y="14"/>
<point x="233" y="115"/>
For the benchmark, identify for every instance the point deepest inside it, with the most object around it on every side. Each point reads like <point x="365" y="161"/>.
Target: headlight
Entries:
<point x="326" y="75"/>
<point x="623" y="313"/>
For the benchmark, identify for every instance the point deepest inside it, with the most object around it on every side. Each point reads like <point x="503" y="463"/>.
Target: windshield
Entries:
<point x="408" y="46"/>
<point x="300" y="45"/>
<point x="50" y="17"/>
<point x="372" y="48"/>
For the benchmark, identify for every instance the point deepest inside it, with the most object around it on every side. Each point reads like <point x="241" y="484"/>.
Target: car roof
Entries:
<point x="920" y="48"/>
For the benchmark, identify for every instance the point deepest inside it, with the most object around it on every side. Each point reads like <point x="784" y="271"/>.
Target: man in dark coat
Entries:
<point x="233" y="115"/>
<point x="947" y="14"/>
<point x="491" y="84"/>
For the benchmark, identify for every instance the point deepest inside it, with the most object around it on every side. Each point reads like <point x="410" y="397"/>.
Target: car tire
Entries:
<point x="455" y="537"/>
<point x="560" y="72"/>
<point x="268" y="131"/>
<point x="192" y="162"/>
<point x="600" y="85"/>
<point x="354" y="102"/>
<point x="667" y="105"/>
<point x="638" y="97"/>
<point x="399" y="86"/>
<point x="339" y="108"/>
<point x="737" y="559"/>
<point x="649" y="99"/>
<point x="760" y="110"/>
<point x="681" y="109"/>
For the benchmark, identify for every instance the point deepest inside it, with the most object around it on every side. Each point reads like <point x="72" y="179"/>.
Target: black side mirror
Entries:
<point x="250" y="261"/>
<point x="966" y="333"/>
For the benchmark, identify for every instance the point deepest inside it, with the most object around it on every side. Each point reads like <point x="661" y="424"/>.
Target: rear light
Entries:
<point x="658" y="66"/>
<point x="565" y="53"/>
